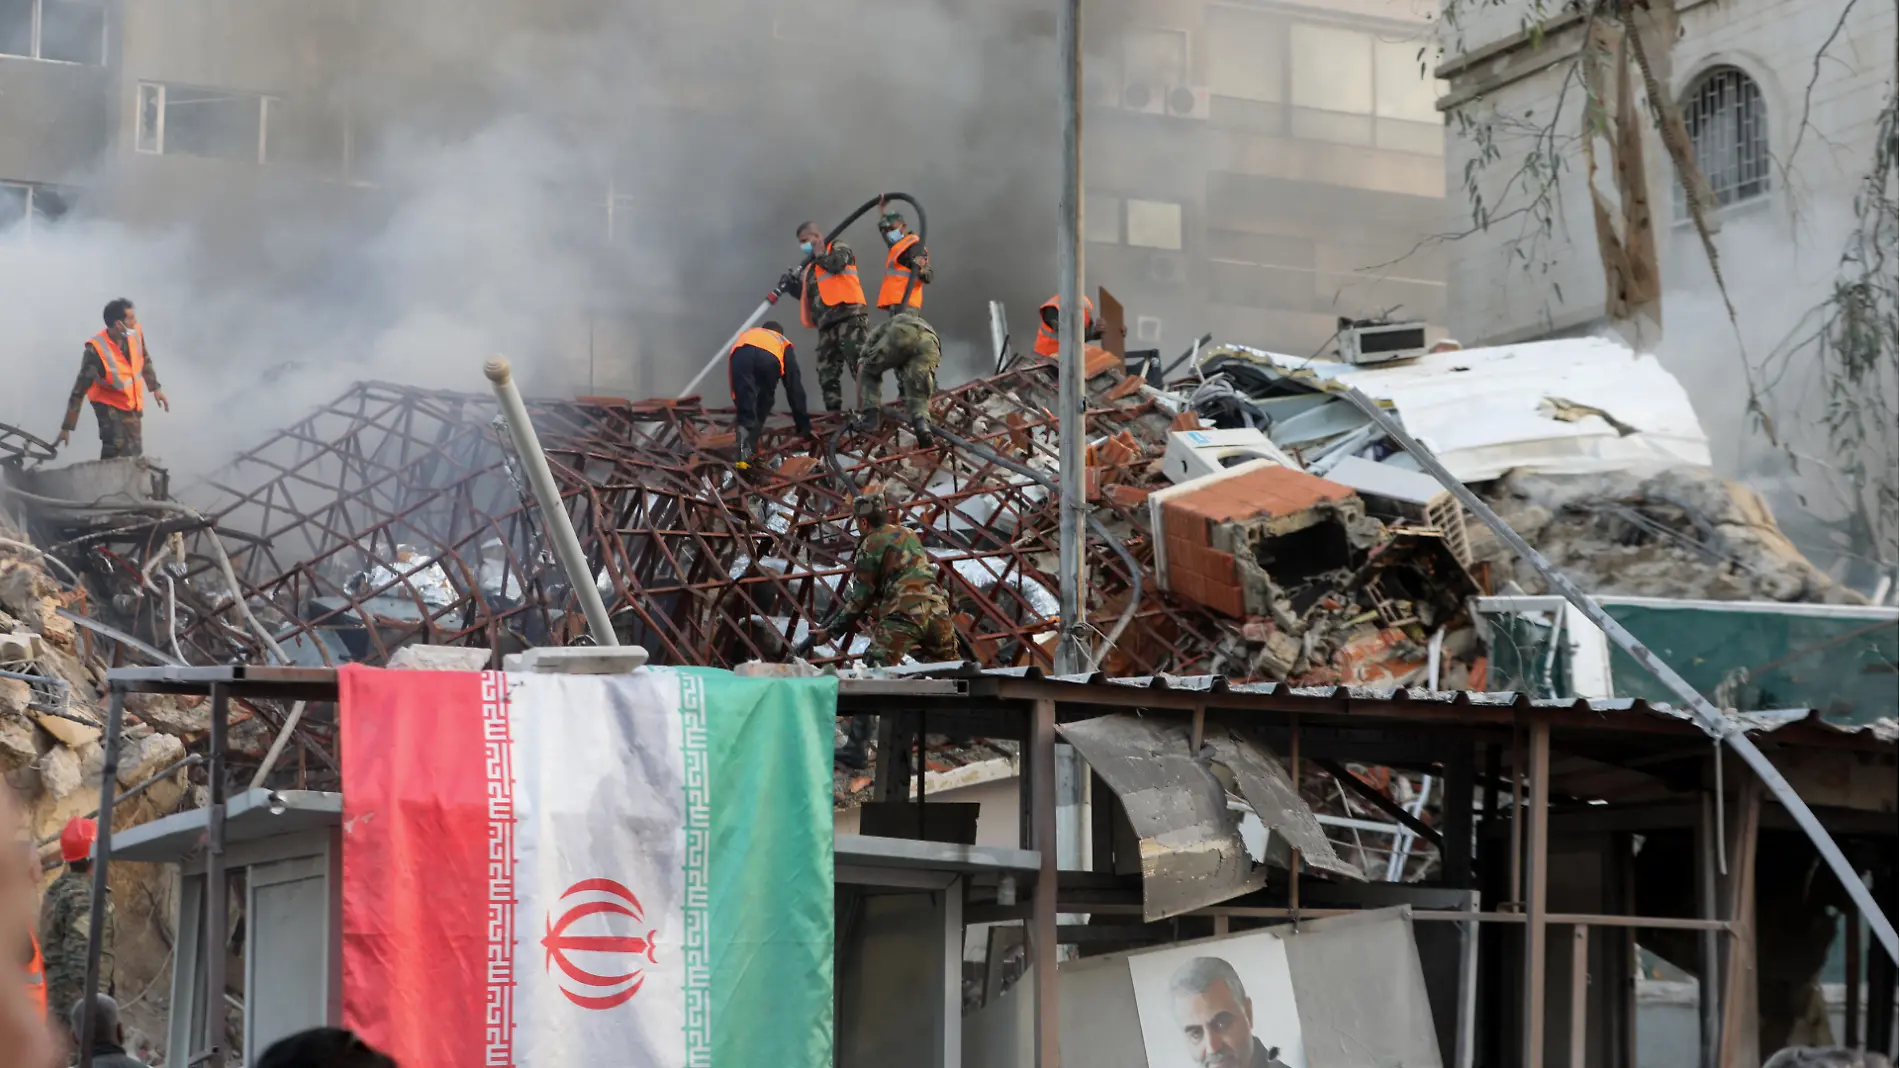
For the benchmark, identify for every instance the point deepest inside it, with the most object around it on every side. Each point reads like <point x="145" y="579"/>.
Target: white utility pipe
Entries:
<point x="559" y="529"/>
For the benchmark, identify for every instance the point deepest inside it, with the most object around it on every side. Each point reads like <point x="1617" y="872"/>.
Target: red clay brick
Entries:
<point x="1127" y="386"/>
<point x="1098" y="361"/>
<point x="1189" y="420"/>
<point x="1267" y="492"/>
<point x="1128" y="496"/>
<point x="797" y="466"/>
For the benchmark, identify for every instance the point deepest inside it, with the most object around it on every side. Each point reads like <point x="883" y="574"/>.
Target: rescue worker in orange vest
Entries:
<point x="115" y="372"/>
<point x="1047" y="344"/>
<point x="906" y="266"/>
<point x="761" y="360"/>
<point x="831" y="301"/>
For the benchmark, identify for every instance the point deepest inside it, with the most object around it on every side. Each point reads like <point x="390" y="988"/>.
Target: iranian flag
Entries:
<point x="559" y="870"/>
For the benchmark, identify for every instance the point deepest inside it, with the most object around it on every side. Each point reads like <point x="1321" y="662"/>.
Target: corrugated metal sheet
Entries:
<point x="1756" y="723"/>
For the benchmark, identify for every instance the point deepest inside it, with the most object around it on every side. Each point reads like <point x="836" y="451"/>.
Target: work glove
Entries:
<point x="788" y="282"/>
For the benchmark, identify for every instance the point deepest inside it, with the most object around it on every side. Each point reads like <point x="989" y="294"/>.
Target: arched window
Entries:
<point x="1728" y="125"/>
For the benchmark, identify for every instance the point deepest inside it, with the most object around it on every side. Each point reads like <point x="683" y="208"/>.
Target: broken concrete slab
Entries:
<point x="439" y="658"/>
<point x="69" y="733"/>
<point x="141" y="759"/>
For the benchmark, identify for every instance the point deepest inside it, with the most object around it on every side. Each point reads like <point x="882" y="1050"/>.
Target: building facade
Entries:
<point x="1787" y="108"/>
<point x="1259" y="170"/>
<point x="1254" y="169"/>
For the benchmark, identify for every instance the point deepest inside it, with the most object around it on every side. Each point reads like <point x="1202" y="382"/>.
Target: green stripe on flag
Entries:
<point x="768" y="872"/>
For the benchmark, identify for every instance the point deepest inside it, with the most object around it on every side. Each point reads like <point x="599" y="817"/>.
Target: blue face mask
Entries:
<point x="805" y="247"/>
<point x="892" y="237"/>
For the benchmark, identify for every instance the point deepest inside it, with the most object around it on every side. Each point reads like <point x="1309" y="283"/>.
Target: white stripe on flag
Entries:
<point x="601" y="839"/>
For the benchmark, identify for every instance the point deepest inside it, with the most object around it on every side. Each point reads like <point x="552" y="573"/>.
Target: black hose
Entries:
<point x="922" y="236"/>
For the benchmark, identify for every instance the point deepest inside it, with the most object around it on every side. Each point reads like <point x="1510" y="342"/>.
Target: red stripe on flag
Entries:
<point x="428" y="865"/>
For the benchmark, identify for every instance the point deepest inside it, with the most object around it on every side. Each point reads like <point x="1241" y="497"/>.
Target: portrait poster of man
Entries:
<point x="1225" y="1004"/>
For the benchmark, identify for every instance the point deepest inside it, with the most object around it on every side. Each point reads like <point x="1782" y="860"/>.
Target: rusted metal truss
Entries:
<point x="393" y="515"/>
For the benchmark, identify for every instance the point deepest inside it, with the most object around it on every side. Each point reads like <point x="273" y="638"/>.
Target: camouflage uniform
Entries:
<point x="840" y="327"/>
<point x="65" y="924"/>
<point x="893" y="580"/>
<point x="907" y="345"/>
<point x="121" y="433"/>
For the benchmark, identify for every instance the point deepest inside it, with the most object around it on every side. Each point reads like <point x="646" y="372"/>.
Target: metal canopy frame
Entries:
<point x="1033" y="703"/>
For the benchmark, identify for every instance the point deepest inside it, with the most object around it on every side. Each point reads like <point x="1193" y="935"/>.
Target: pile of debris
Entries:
<point x="52" y="678"/>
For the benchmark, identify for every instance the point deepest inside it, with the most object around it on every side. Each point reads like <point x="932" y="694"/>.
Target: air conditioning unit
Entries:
<point x="1164" y="269"/>
<point x="1187" y="101"/>
<point x="1145" y="99"/>
<point x="1368" y="341"/>
<point x="1194" y="453"/>
<point x="1148" y="329"/>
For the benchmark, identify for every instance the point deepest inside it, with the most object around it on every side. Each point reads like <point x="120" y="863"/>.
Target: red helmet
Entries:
<point x="75" y="842"/>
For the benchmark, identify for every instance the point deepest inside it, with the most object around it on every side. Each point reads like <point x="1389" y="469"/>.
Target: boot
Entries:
<point x="854" y="754"/>
<point x="748" y="445"/>
<point x="868" y="420"/>
<point x="921" y="427"/>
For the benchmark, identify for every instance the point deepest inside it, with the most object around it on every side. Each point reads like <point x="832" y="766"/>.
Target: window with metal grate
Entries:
<point x="1728" y="125"/>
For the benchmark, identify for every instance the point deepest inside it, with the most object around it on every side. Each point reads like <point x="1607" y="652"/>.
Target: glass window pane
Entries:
<point x="1154" y="57"/>
<point x="151" y="105"/>
<point x="1154" y="224"/>
<point x="1102" y="219"/>
<point x="49" y="206"/>
<point x="12" y="209"/>
<point x="212" y="123"/>
<point x="73" y="32"/>
<point x="1405" y="92"/>
<point x="1332" y="69"/>
<point x="16" y="27"/>
<point x="1246" y="55"/>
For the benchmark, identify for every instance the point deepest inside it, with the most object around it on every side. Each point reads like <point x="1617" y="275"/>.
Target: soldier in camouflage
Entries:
<point x="907" y="345"/>
<point x="840" y="325"/>
<point x="66" y="920"/>
<point x="894" y="581"/>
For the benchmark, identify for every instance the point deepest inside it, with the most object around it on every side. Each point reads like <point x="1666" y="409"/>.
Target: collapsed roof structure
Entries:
<point x="1249" y="522"/>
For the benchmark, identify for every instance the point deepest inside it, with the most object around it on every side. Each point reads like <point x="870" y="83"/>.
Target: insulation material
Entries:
<point x="1487" y="411"/>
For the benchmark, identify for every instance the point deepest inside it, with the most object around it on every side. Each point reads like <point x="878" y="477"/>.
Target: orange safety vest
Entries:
<point x="760" y="338"/>
<point x="897" y="276"/>
<point x="833" y="289"/>
<point x="1047" y="343"/>
<point x="36" y="977"/>
<point x="770" y="340"/>
<point x="123" y="386"/>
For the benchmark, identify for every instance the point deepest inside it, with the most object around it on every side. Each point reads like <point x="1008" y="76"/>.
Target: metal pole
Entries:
<point x="217" y="892"/>
<point x="1707" y="716"/>
<point x="1041" y="760"/>
<point x="1579" y="996"/>
<point x="1537" y="849"/>
<point x="1709" y="953"/>
<point x="1070" y="656"/>
<point x="101" y="852"/>
<point x="553" y="515"/>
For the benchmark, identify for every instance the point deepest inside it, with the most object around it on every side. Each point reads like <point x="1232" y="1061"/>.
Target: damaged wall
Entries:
<point x="1822" y="71"/>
